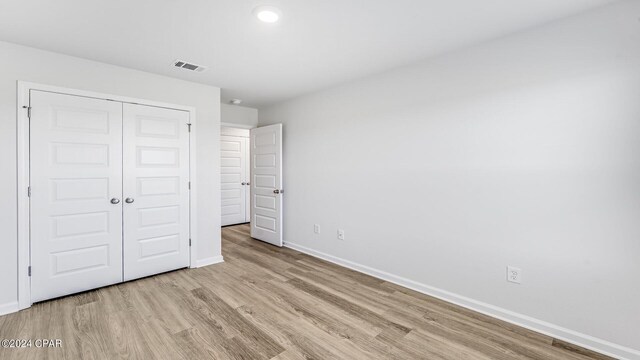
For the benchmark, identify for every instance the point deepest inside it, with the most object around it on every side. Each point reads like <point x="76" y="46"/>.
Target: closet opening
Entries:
<point x="107" y="192"/>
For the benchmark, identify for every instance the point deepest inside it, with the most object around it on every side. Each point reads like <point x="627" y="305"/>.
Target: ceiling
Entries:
<point x="317" y="43"/>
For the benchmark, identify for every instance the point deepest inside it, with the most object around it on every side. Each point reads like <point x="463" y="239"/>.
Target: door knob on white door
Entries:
<point x="244" y="183"/>
<point x="115" y="201"/>
<point x="276" y="191"/>
<point x="128" y="200"/>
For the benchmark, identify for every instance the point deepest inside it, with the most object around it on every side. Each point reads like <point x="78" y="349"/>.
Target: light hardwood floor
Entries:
<point x="269" y="303"/>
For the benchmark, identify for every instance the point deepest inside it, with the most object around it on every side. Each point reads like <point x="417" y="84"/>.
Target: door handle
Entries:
<point x="248" y="183"/>
<point x="115" y="201"/>
<point x="244" y="183"/>
<point x="128" y="200"/>
<point x="276" y="191"/>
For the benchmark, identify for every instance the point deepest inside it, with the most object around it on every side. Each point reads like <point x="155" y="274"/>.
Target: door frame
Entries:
<point x="23" y="178"/>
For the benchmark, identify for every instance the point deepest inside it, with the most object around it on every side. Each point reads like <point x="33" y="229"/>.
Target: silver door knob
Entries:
<point x="244" y="183"/>
<point x="128" y="200"/>
<point x="115" y="201"/>
<point x="276" y="191"/>
<point x="248" y="183"/>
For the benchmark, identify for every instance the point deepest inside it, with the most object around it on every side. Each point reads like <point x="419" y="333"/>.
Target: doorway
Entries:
<point x="251" y="180"/>
<point x="235" y="184"/>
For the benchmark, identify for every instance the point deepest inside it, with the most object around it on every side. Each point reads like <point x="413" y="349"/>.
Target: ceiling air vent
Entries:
<point x="189" y="66"/>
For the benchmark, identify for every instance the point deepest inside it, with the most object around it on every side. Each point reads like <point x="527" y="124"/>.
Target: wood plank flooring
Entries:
<point x="269" y="303"/>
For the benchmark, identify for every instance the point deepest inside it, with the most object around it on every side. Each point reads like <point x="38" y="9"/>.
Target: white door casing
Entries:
<point x="266" y="184"/>
<point x="234" y="177"/>
<point x="76" y="171"/>
<point x="155" y="190"/>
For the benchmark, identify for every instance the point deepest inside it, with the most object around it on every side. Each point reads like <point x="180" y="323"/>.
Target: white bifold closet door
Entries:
<point x="109" y="192"/>
<point x="234" y="179"/>
<point x="76" y="186"/>
<point x="156" y="190"/>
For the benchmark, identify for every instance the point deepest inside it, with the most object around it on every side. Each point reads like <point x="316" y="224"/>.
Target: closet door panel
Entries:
<point x="76" y="183"/>
<point x="156" y="190"/>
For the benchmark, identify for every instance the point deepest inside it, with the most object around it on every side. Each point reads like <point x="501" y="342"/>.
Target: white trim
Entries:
<point x="23" y="90"/>
<point x="125" y="99"/>
<point x="237" y="126"/>
<point x="210" y="261"/>
<point x="9" y="308"/>
<point x="22" y="144"/>
<point x="231" y="131"/>
<point x="193" y="193"/>
<point x="586" y="341"/>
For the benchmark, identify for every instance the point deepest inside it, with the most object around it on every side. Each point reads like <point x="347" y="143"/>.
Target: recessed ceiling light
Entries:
<point x="268" y="14"/>
<point x="235" y="102"/>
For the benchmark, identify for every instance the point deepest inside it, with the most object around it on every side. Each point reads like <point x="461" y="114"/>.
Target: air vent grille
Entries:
<point x="189" y="66"/>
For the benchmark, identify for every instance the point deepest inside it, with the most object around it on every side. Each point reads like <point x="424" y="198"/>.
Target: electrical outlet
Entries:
<point x="316" y="228"/>
<point x="514" y="275"/>
<point x="340" y="234"/>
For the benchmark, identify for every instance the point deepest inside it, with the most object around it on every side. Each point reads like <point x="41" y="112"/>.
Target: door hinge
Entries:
<point x="189" y="185"/>
<point x="29" y="270"/>
<point x="189" y="126"/>
<point x="28" y="111"/>
<point x="29" y="191"/>
<point x="189" y="241"/>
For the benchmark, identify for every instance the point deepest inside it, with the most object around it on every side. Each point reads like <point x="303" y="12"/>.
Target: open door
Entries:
<point x="266" y="184"/>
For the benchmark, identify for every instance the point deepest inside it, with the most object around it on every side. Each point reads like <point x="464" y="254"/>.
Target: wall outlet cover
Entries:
<point x="514" y="274"/>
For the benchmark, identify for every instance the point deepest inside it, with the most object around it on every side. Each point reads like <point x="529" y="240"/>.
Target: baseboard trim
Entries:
<point x="9" y="308"/>
<point x="586" y="341"/>
<point x="209" y="261"/>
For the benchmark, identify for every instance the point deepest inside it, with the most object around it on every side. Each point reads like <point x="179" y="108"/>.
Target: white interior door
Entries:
<point x="76" y="188"/>
<point x="266" y="184"/>
<point x="155" y="190"/>
<point x="234" y="178"/>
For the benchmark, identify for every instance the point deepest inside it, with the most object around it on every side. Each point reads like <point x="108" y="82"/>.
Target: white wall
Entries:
<point x="238" y="115"/>
<point x="522" y="151"/>
<point x="28" y="64"/>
